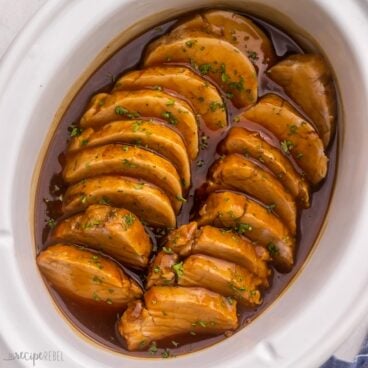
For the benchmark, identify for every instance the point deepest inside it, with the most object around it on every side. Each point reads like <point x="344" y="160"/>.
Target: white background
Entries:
<point x="14" y="14"/>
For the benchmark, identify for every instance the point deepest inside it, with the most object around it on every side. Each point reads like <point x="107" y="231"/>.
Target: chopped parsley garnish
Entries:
<point x="95" y="297"/>
<point x="84" y="142"/>
<point x="216" y="105"/>
<point x="200" y="163"/>
<point x="128" y="220"/>
<point x="51" y="223"/>
<point x="190" y="43"/>
<point x="91" y="224"/>
<point x="273" y="249"/>
<point x="75" y="131"/>
<point x="119" y="110"/>
<point x="243" y="228"/>
<point x="204" y="68"/>
<point x="166" y="354"/>
<point x="170" y="102"/>
<point x="136" y="125"/>
<point x="299" y="156"/>
<point x="181" y="198"/>
<point x="139" y="186"/>
<point x="271" y="207"/>
<point x="252" y="55"/>
<point x="104" y="200"/>
<point x="153" y="348"/>
<point x="129" y="164"/>
<point x="178" y="269"/>
<point x="167" y="250"/>
<point x="287" y="146"/>
<point x="96" y="280"/>
<point x="133" y="115"/>
<point x="293" y="129"/>
<point x="156" y="269"/>
<point x="239" y="86"/>
<point x="169" y="117"/>
<point x="224" y="77"/>
<point x="203" y="142"/>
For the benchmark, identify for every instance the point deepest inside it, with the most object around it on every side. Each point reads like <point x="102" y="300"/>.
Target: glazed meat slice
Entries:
<point x="214" y="57"/>
<point x="223" y="277"/>
<point x="161" y="272"/>
<point x="236" y="29"/>
<point x="239" y="173"/>
<point x="115" y="231"/>
<point x="297" y="137"/>
<point x="308" y="80"/>
<point x="105" y="108"/>
<point x="247" y="217"/>
<point x="145" y="200"/>
<point x="220" y="243"/>
<point x="87" y="276"/>
<point x="203" y="95"/>
<point x="181" y="240"/>
<point x="232" y="247"/>
<point x="171" y="311"/>
<point x="125" y="160"/>
<point x="251" y="144"/>
<point x="150" y="134"/>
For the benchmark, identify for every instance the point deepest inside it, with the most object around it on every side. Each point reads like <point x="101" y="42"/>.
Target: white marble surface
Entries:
<point x="15" y="14"/>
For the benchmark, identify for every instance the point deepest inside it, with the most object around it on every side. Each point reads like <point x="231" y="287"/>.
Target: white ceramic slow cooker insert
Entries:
<point x="325" y="301"/>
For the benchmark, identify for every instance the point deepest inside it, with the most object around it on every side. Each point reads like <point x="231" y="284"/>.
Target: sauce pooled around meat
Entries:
<point x="187" y="183"/>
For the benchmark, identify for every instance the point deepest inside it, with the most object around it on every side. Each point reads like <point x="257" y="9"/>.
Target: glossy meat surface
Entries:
<point x="145" y="200"/>
<point x="214" y="57"/>
<point x="105" y="108"/>
<point x="115" y="231"/>
<point x="116" y="159"/>
<point x="237" y="172"/>
<point x="230" y="210"/>
<point x="223" y="277"/>
<point x="240" y="31"/>
<point x="87" y="276"/>
<point x="171" y="311"/>
<point x="297" y="137"/>
<point x="151" y="134"/>
<point x="203" y="96"/>
<point x="251" y="144"/>
<point x="308" y="80"/>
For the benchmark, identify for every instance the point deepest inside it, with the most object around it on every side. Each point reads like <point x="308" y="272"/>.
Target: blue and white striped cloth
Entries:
<point x="360" y="361"/>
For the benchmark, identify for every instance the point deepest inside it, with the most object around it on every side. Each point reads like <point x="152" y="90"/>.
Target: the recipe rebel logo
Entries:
<point x="34" y="357"/>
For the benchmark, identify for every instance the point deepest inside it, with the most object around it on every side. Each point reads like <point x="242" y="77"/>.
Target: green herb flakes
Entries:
<point x="273" y="249"/>
<point x="167" y="250"/>
<point x="178" y="269"/>
<point x="119" y="110"/>
<point x="181" y="198"/>
<point x="169" y="117"/>
<point x="153" y="348"/>
<point x="128" y="220"/>
<point x="51" y="223"/>
<point x="286" y="146"/>
<point x="204" y="69"/>
<point x="243" y="228"/>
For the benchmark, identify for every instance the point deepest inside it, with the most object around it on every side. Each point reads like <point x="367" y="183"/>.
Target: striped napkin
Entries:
<point x="360" y="361"/>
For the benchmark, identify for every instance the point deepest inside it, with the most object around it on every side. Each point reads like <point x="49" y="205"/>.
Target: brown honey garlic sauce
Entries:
<point x="98" y="322"/>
